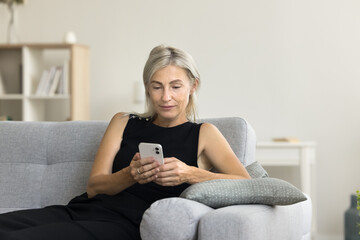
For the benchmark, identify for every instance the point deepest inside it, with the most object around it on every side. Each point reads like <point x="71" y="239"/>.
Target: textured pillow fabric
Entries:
<point x="255" y="170"/>
<point x="224" y="192"/>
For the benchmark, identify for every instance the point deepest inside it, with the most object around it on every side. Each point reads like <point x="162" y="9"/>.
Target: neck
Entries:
<point x="169" y="122"/>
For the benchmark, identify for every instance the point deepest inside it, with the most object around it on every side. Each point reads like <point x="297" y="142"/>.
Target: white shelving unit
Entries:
<point x="21" y="67"/>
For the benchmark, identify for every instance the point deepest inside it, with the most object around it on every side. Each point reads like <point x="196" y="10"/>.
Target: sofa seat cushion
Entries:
<point x="20" y="185"/>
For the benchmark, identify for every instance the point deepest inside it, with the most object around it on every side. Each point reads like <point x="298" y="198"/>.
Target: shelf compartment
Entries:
<point x="38" y="60"/>
<point x="11" y="108"/>
<point x="11" y="70"/>
<point x="46" y="109"/>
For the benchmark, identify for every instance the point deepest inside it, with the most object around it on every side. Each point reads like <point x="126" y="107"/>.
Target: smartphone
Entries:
<point x="151" y="150"/>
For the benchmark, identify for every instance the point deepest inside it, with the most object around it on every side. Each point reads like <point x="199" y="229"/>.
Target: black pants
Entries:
<point x="56" y="223"/>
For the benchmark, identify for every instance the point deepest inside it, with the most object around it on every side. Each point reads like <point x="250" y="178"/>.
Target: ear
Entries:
<point x="194" y="86"/>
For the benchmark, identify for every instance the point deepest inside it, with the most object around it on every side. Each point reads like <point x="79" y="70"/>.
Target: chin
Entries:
<point x="168" y="116"/>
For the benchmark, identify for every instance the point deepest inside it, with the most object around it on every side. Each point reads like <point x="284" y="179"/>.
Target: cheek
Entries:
<point x="184" y="97"/>
<point x="153" y="95"/>
<point x="151" y="99"/>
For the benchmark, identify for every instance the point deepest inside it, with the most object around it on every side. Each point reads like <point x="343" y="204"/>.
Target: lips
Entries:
<point x="166" y="108"/>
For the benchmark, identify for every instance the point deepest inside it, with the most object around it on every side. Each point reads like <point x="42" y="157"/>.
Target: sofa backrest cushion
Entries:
<point x="240" y="135"/>
<point x="45" y="163"/>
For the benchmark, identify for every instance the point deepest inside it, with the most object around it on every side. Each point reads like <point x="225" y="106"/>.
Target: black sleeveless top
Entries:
<point x="180" y="142"/>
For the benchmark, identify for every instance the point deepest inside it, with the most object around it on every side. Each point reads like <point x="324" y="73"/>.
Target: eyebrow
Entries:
<point x="171" y="82"/>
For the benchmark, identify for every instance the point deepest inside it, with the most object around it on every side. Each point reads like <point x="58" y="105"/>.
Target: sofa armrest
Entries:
<point x="254" y="222"/>
<point x="172" y="218"/>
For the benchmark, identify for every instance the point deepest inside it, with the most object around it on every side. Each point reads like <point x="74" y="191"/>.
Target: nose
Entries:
<point x="166" y="96"/>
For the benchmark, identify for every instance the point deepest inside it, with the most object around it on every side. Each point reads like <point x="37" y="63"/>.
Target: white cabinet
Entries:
<point x="301" y="155"/>
<point x="21" y="67"/>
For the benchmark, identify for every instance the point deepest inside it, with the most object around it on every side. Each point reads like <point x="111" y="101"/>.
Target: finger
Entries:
<point x="151" y="165"/>
<point x="169" y="181"/>
<point x="170" y="160"/>
<point x="169" y="166"/>
<point x="150" y="173"/>
<point x="147" y="180"/>
<point x="138" y="166"/>
<point x="147" y="170"/>
<point x="147" y="176"/>
<point x="136" y="157"/>
<point x="148" y="167"/>
<point x="134" y="161"/>
<point x="145" y="161"/>
<point x="167" y="173"/>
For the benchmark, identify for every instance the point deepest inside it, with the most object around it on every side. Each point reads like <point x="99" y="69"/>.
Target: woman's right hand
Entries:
<point x="144" y="170"/>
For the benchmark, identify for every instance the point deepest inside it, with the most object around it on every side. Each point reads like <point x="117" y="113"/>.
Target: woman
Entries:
<point x="122" y="185"/>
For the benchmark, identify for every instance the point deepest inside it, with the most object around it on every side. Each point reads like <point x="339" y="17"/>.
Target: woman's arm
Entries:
<point x="214" y="151"/>
<point x="102" y="180"/>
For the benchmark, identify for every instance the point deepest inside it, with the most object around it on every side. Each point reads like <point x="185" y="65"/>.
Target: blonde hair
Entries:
<point x="163" y="56"/>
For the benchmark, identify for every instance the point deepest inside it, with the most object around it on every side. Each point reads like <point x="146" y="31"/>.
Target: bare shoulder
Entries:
<point x="120" y="117"/>
<point x="209" y="136"/>
<point x="118" y="122"/>
<point x="209" y="130"/>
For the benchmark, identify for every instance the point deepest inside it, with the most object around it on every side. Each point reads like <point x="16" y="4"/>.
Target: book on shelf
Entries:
<point x="42" y="83"/>
<point x="45" y="82"/>
<point x="54" y="81"/>
<point x="63" y="86"/>
<point x="2" y="86"/>
<point x="49" y="80"/>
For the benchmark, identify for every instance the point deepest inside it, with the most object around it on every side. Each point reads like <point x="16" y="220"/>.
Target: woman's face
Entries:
<point x="169" y="91"/>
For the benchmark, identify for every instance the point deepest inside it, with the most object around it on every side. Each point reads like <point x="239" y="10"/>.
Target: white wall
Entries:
<point x="290" y="67"/>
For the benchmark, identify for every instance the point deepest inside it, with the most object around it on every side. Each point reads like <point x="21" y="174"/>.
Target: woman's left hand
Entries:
<point x="174" y="172"/>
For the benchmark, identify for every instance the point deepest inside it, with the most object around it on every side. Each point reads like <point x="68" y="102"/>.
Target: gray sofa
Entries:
<point x="39" y="160"/>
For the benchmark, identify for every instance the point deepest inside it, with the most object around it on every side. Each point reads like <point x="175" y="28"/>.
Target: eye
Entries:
<point x="155" y="87"/>
<point x="177" y="86"/>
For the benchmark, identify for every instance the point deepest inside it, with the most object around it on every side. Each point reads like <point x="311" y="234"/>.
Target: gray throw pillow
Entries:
<point x="255" y="170"/>
<point x="224" y="192"/>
